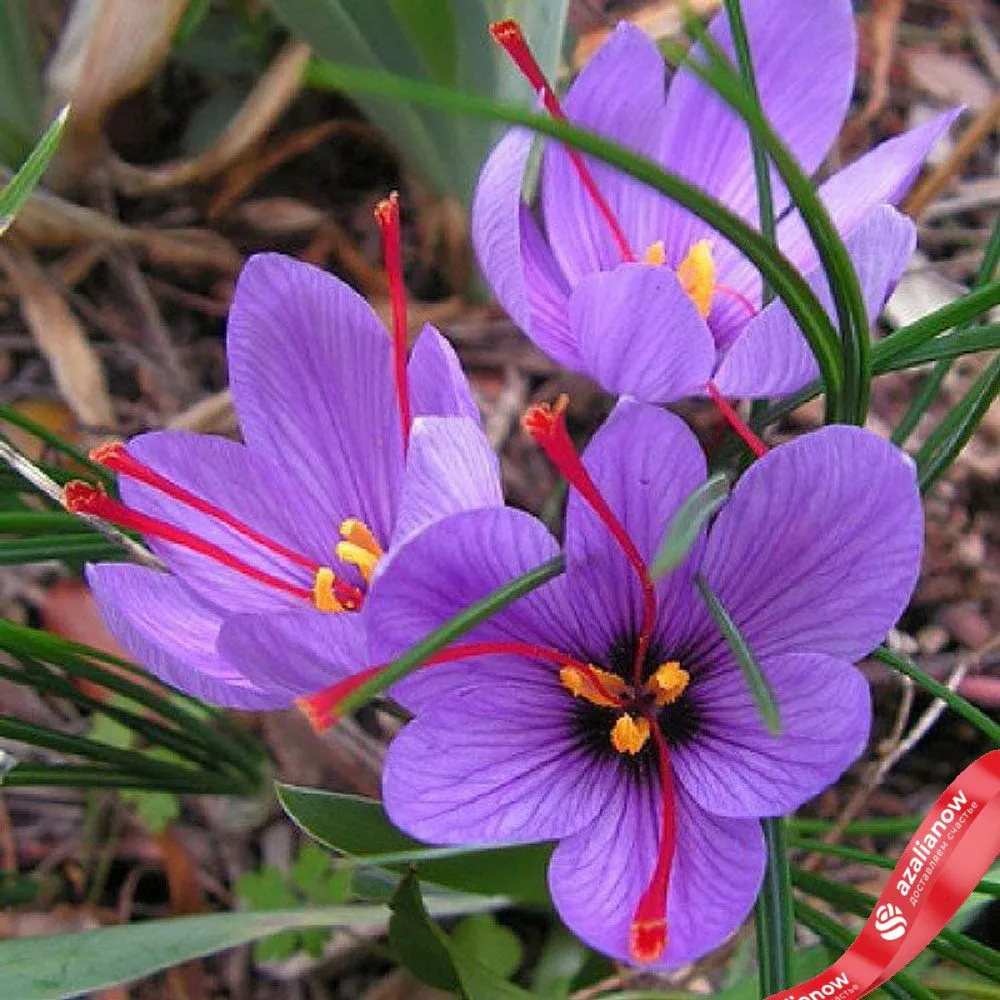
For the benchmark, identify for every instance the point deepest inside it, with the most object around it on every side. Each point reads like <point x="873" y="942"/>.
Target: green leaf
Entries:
<point x="691" y="517"/>
<point x="489" y="943"/>
<point x="900" y="987"/>
<point x="453" y="629"/>
<point x="20" y="186"/>
<point x="782" y="276"/>
<point x="949" y="943"/>
<point x="66" y="965"/>
<point x="743" y="654"/>
<point x="357" y="826"/>
<point x="433" y="957"/>
<point x="21" y="90"/>
<point x="987" y="887"/>
<point x="948" y="439"/>
<point x="562" y="960"/>
<point x="157" y="810"/>
<point x="955" y="702"/>
<point x="929" y="390"/>
<point x="775" y="923"/>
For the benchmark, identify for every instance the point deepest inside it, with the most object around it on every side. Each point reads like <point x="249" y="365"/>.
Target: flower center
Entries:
<point x="639" y="705"/>
<point x="326" y="592"/>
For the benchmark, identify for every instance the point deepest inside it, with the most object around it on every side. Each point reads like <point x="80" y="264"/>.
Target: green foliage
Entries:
<point x="441" y="961"/>
<point x="66" y="965"/>
<point x="311" y="881"/>
<point x="444" y="42"/>
<point x="15" y="193"/>
<point x="692" y="516"/>
<point x="763" y="696"/>
<point x="20" y="82"/>
<point x="142" y="738"/>
<point x="359" y="829"/>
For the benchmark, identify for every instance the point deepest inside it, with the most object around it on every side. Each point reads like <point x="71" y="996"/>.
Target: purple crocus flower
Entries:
<point x="270" y="544"/>
<point x="606" y="712"/>
<point x="630" y="288"/>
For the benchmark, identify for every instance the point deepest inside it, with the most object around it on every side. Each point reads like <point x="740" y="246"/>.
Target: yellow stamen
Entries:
<point x="668" y="683"/>
<point x="597" y="686"/>
<point x="359" y="548"/>
<point x="629" y="735"/>
<point x="656" y="253"/>
<point x="323" y="597"/>
<point x="697" y="274"/>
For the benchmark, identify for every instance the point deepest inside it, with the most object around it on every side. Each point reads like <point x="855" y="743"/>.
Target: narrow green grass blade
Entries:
<point x="775" y="913"/>
<point x="20" y="186"/>
<point x="987" y="887"/>
<point x="782" y="276"/>
<point x="68" y="548"/>
<point x="763" y="696"/>
<point x="929" y="390"/>
<point x="949" y="944"/>
<point x="12" y="416"/>
<point x="691" y="517"/>
<point x="900" y="987"/>
<point x="968" y="711"/>
<point x="454" y="629"/>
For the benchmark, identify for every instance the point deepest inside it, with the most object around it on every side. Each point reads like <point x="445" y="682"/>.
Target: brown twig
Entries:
<point x="935" y="182"/>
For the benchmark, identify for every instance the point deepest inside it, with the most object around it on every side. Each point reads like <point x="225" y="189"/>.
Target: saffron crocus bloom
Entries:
<point x="607" y="712"/>
<point x="270" y="544"/>
<point x="629" y="287"/>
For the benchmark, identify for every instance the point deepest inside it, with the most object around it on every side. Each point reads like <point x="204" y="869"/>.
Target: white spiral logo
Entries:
<point x="890" y="922"/>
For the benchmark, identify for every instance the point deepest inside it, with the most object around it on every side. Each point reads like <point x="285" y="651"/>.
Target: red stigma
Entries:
<point x="732" y="418"/>
<point x="388" y="221"/>
<point x="648" y="933"/>
<point x="113" y="456"/>
<point x="323" y="708"/>
<point x="508" y="35"/>
<point x="547" y="426"/>
<point x="83" y="498"/>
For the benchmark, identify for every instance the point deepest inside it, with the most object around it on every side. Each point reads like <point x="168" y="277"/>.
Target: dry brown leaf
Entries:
<point x="107" y="50"/>
<point x="47" y="220"/>
<point x="61" y="338"/>
<point x="53" y="416"/>
<point x="265" y="104"/>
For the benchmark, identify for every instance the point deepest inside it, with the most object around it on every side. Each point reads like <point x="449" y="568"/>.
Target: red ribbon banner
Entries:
<point x="948" y="855"/>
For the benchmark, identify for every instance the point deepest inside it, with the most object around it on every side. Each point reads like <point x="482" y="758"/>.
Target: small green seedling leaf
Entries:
<point x="491" y="944"/>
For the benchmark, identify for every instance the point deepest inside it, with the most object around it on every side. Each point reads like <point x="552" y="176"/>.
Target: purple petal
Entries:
<point x="548" y="297"/>
<point x="173" y="634"/>
<point x="819" y="547"/>
<point x="803" y="61"/>
<point x="262" y="495"/>
<point x="513" y="255"/>
<point x="496" y="763"/>
<point x="311" y="375"/>
<point x="645" y="462"/>
<point x="450" y="467"/>
<point x="772" y="357"/>
<point x="640" y="333"/>
<point x="598" y="875"/>
<point x="882" y="176"/>
<point x="735" y="767"/>
<point x="619" y="93"/>
<point x="447" y="567"/>
<point x="301" y="651"/>
<point x="438" y="386"/>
